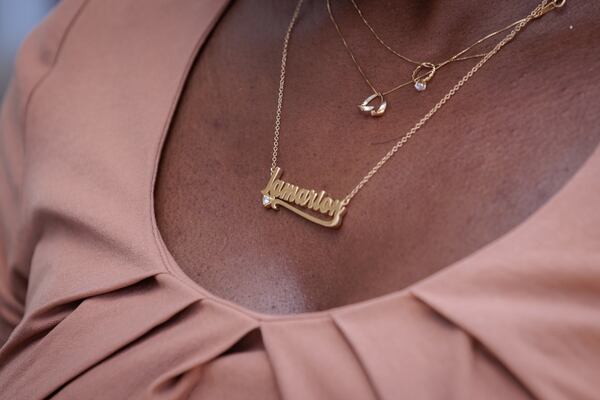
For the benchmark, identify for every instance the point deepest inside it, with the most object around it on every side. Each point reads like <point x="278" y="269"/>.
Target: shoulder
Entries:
<point x="39" y="51"/>
<point x="35" y="59"/>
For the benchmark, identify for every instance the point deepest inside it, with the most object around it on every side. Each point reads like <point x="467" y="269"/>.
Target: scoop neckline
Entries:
<point x="174" y="269"/>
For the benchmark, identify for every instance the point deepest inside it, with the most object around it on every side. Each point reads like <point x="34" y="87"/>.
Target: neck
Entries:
<point x="426" y="29"/>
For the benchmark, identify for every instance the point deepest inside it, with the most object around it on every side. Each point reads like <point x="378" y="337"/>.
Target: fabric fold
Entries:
<point x="222" y="330"/>
<point x="168" y="361"/>
<point x="411" y="351"/>
<point x="95" y="329"/>
<point x="312" y="360"/>
<point x="542" y="323"/>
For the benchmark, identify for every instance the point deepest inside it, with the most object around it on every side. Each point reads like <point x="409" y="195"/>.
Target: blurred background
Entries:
<point x="17" y="18"/>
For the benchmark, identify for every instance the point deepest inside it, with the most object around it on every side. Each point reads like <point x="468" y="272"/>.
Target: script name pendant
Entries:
<point x="294" y="198"/>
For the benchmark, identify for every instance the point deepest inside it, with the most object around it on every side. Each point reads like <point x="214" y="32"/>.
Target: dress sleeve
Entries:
<point x="35" y="60"/>
<point x="12" y="286"/>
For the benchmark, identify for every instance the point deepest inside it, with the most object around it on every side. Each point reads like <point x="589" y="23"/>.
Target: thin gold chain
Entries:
<point x="431" y="67"/>
<point x="544" y="7"/>
<point x="279" y="108"/>
<point x="455" y="57"/>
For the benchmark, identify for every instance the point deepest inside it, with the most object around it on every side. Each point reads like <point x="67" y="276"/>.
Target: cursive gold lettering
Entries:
<point x="289" y="192"/>
<point x="278" y="192"/>
<point x="302" y="198"/>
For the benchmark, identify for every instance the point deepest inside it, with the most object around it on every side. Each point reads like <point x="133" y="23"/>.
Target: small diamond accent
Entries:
<point x="420" y="86"/>
<point x="266" y="200"/>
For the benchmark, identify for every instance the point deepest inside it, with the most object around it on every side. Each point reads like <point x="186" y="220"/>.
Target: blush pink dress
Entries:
<point x="101" y="310"/>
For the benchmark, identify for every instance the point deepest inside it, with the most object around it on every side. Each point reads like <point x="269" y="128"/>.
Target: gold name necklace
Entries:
<point x="318" y="206"/>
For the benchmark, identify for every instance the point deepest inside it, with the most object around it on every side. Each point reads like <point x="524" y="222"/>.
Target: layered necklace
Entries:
<point x="320" y="207"/>
<point x="423" y="71"/>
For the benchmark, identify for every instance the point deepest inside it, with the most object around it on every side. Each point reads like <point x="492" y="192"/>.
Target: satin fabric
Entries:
<point x="102" y="311"/>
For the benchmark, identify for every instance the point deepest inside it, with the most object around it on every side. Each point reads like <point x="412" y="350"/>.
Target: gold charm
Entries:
<point x="278" y="192"/>
<point x="421" y="80"/>
<point x="369" y="109"/>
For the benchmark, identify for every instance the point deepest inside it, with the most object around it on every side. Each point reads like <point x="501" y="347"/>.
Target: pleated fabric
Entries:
<point x="101" y="310"/>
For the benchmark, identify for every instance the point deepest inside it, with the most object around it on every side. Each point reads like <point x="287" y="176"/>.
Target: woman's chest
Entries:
<point x="485" y="162"/>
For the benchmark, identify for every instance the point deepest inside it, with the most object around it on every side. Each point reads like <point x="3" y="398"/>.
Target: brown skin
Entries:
<point x="494" y="154"/>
